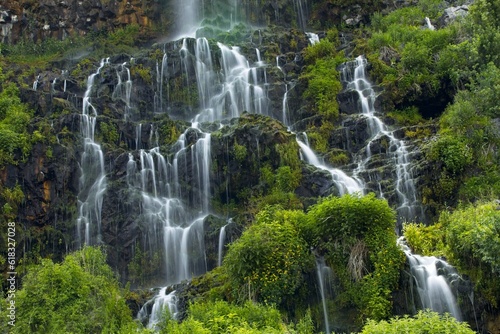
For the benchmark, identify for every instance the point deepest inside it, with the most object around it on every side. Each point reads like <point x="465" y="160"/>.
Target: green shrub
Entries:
<point x="79" y="295"/>
<point x="425" y="240"/>
<point x="356" y="235"/>
<point x="453" y="152"/>
<point x="474" y="244"/>
<point x="268" y="261"/>
<point x="425" y="322"/>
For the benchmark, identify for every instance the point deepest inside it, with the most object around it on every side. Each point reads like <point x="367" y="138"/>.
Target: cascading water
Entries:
<point x="353" y="74"/>
<point x="172" y="212"/>
<point x="222" y="240"/>
<point x="432" y="277"/>
<point x="344" y="183"/>
<point x="324" y="275"/>
<point x="429" y="24"/>
<point x="92" y="183"/>
<point x="162" y="301"/>
<point x="123" y="89"/>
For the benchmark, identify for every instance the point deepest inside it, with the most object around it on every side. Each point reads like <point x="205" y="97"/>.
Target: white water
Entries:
<point x="160" y="302"/>
<point x="173" y="213"/>
<point x="430" y="278"/>
<point x="222" y="240"/>
<point x="324" y="273"/>
<point x="92" y="182"/>
<point x="123" y="89"/>
<point x="354" y="75"/>
<point x="313" y="38"/>
<point x="429" y="24"/>
<point x="36" y="82"/>
<point x="344" y="183"/>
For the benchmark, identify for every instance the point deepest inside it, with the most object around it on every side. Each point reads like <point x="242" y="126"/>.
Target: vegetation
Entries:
<point x="468" y="238"/>
<point x="424" y="322"/>
<point x="79" y="295"/>
<point x="268" y="262"/>
<point x="322" y="80"/>
<point x="356" y="234"/>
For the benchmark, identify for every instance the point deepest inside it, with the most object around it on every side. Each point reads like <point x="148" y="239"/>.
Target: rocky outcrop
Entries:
<point x="451" y="14"/>
<point x="38" y="20"/>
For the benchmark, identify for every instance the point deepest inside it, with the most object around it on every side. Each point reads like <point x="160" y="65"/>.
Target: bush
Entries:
<point x="79" y="295"/>
<point x="425" y="240"/>
<point x="452" y="152"/>
<point x="425" y="322"/>
<point x="357" y="236"/>
<point x="268" y="261"/>
<point x="473" y="245"/>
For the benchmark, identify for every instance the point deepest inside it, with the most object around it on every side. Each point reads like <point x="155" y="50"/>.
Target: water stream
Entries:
<point x="354" y="76"/>
<point x="92" y="182"/>
<point x="432" y="277"/>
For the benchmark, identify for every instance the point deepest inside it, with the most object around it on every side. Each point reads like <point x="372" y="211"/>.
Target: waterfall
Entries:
<point x="36" y="82"/>
<point x="313" y="38"/>
<point x="344" y="183"/>
<point x="160" y="302"/>
<point x="222" y="240"/>
<point x="429" y="24"/>
<point x="92" y="182"/>
<point x="324" y="274"/>
<point x="188" y="17"/>
<point x="432" y="277"/>
<point x="123" y="89"/>
<point x="173" y="214"/>
<point x="353" y="74"/>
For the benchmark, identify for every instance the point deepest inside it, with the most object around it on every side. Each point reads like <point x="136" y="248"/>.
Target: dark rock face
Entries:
<point x="38" y="20"/>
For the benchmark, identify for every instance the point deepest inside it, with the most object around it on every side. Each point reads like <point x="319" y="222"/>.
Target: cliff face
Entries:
<point x="38" y="20"/>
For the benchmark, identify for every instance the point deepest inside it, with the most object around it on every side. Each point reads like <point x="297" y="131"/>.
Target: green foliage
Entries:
<point x="323" y="86"/>
<point x="356" y="234"/>
<point x="222" y="317"/>
<point x="485" y="28"/>
<point x="473" y="245"/>
<point x="79" y="295"/>
<point x="351" y="217"/>
<point x="268" y="261"/>
<point x="424" y="322"/>
<point x="109" y="133"/>
<point x="452" y="152"/>
<point x="240" y="151"/>
<point x="324" y="49"/>
<point x="468" y="144"/>
<point x="142" y="72"/>
<point x="425" y="240"/>
<point x="14" y="120"/>
<point x="407" y="116"/>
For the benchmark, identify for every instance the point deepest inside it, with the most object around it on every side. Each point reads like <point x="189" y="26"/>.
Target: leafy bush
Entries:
<point x="425" y="322"/>
<point x="473" y="245"/>
<point x="425" y="240"/>
<point x="357" y="236"/>
<point x="268" y="261"/>
<point x="79" y="295"/>
<point x="14" y="120"/>
<point x="452" y="152"/>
